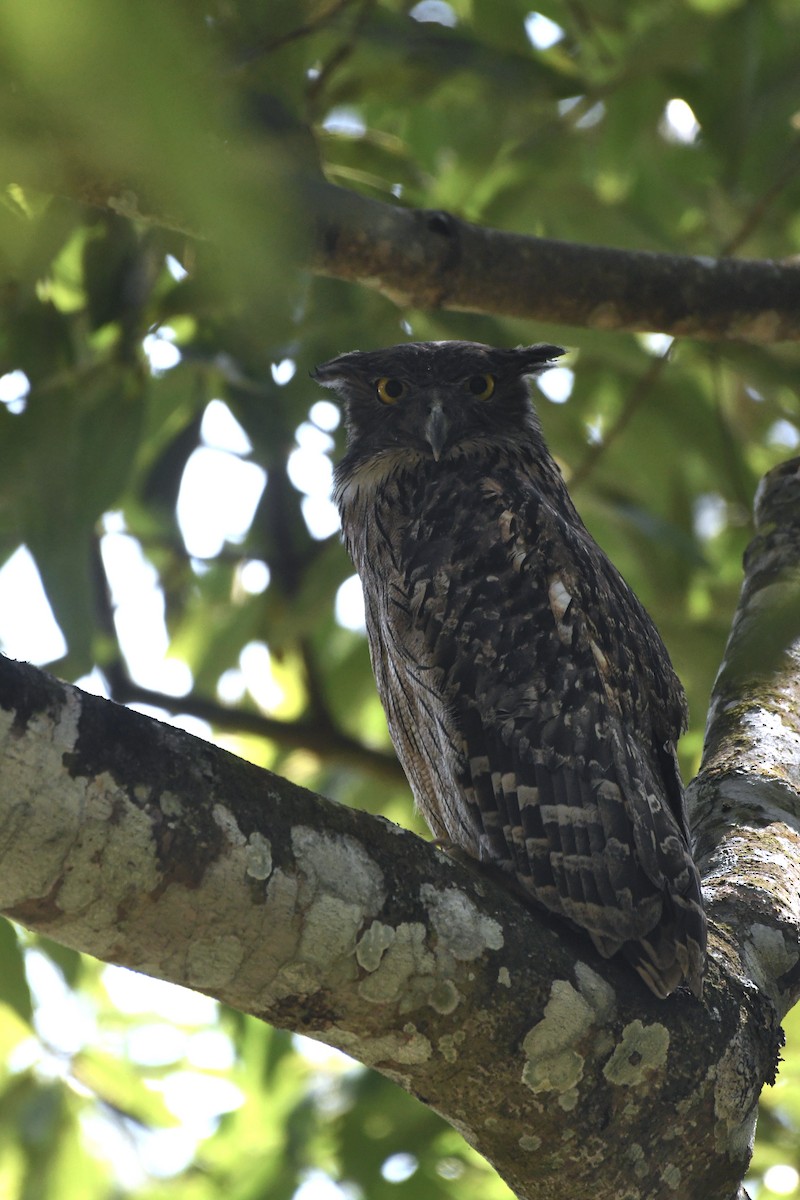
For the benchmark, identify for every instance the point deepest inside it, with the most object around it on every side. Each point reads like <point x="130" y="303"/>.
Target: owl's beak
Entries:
<point x="437" y="427"/>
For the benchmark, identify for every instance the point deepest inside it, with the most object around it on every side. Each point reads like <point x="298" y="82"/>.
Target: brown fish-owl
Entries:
<point x="529" y="696"/>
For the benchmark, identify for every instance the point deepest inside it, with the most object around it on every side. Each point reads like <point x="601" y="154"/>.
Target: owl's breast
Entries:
<point x="483" y="586"/>
<point x="440" y="559"/>
<point x="410" y="549"/>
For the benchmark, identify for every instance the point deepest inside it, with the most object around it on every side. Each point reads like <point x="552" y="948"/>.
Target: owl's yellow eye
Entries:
<point x="481" y="386"/>
<point x="390" y="390"/>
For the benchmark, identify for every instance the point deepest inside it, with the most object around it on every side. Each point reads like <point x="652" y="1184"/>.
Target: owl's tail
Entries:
<point x="668" y="958"/>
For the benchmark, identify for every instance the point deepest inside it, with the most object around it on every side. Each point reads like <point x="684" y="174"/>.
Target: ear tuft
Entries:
<point x="336" y="372"/>
<point x="536" y="358"/>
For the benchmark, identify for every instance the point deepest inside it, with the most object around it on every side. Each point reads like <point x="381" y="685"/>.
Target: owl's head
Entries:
<point x="434" y="398"/>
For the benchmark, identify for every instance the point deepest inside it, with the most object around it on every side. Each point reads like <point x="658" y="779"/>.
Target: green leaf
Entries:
<point x="14" y="989"/>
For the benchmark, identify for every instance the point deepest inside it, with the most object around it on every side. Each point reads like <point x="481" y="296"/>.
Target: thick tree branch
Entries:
<point x="432" y="260"/>
<point x="746" y="799"/>
<point x="142" y="845"/>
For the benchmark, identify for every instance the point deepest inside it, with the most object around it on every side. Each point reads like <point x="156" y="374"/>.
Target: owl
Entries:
<point x="528" y="694"/>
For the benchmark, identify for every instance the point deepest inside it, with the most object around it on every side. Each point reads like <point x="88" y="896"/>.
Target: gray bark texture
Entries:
<point x="142" y="845"/>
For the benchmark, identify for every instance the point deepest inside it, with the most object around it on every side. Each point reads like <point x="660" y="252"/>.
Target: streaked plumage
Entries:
<point x="530" y="699"/>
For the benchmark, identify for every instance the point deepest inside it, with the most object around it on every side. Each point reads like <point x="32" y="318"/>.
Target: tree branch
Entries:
<point x="637" y="394"/>
<point x="745" y="801"/>
<point x="321" y="738"/>
<point x="430" y="260"/>
<point x="144" y="846"/>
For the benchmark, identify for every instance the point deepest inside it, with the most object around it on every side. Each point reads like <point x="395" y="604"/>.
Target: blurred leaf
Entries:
<point x="119" y="1085"/>
<point x="14" y="989"/>
<point x="68" y="961"/>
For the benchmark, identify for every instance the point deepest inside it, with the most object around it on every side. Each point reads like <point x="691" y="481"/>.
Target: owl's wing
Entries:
<point x="568" y="710"/>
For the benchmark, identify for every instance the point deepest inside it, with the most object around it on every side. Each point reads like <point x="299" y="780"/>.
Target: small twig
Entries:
<point x="586" y="24"/>
<point x="731" y="458"/>
<point x="637" y="395"/>
<point x="651" y="376"/>
<point x="315" y="693"/>
<point x="328" y="743"/>
<point x="341" y="53"/>
<point x="317" y="733"/>
<point x="759" y="210"/>
<point x="249" y="56"/>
